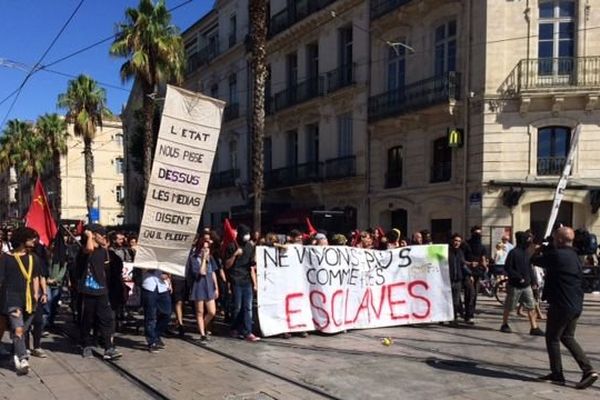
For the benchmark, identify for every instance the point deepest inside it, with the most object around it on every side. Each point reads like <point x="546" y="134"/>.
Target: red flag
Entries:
<point x="229" y="236"/>
<point x="310" y="228"/>
<point x="39" y="216"/>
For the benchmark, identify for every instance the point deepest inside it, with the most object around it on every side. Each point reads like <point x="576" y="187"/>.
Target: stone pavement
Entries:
<point x="424" y="362"/>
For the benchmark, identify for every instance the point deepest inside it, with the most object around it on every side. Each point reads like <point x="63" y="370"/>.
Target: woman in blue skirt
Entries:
<point x="205" y="290"/>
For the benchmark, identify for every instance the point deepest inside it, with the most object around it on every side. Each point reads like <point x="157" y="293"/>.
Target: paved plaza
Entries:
<point x="423" y="362"/>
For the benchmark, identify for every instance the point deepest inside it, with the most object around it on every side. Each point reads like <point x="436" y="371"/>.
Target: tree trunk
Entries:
<point x="258" y="37"/>
<point x="89" y="170"/>
<point x="148" y="112"/>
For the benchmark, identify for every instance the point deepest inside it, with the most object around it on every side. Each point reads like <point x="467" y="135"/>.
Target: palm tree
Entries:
<point x="53" y="129"/>
<point x="85" y="103"/>
<point x="155" y="54"/>
<point x="258" y="37"/>
<point x="24" y="149"/>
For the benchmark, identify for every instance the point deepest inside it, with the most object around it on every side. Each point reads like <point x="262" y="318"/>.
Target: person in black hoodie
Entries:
<point x="520" y="279"/>
<point x="476" y="256"/>
<point x="564" y="293"/>
<point x="458" y="272"/>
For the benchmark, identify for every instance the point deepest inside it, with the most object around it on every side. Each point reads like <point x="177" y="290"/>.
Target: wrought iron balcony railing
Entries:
<point x="341" y="167"/>
<point x="296" y="94"/>
<point x="202" y="56"/>
<point x="231" y="111"/>
<point x="550" y="165"/>
<point x="340" y="77"/>
<point x="381" y="7"/>
<point x="415" y="96"/>
<point x="294" y="175"/>
<point x="556" y="73"/>
<point x="223" y="179"/>
<point x="441" y="172"/>
<point x="291" y="15"/>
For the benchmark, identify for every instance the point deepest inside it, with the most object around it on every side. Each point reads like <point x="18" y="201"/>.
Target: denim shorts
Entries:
<point x="517" y="295"/>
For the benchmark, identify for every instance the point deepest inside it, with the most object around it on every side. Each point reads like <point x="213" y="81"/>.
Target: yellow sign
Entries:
<point x="455" y="137"/>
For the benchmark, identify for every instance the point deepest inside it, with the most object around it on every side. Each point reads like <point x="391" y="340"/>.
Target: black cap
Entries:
<point x="96" y="228"/>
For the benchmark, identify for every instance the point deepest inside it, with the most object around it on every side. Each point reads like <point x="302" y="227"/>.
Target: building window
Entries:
<point x="312" y="143"/>
<point x="233" y="92"/>
<point x="346" y="46"/>
<point x="445" y="48"/>
<point x="292" y="148"/>
<point x="233" y="154"/>
<point x="345" y="147"/>
<point x="268" y="150"/>
<point x="119" y="165"/>
<point x="441" y="168"/>
<point x="119" y="139"/>
<point x="120" y="193"/>
<point x="232" y="30"/>
<point x="292" y="70"/>
<point x="394" y="168"/>
<point x="552" y="149"/>
<point x="396" y="67"/>
<point x="214" y="91"/>
<point x="556" y="37"/>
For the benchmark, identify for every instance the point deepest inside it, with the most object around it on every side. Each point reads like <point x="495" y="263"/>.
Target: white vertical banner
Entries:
<point x="562" y="182"/>
<point x="185" y="150"/>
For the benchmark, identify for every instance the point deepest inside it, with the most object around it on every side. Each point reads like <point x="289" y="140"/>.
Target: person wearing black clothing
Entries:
<point x="458" y="272"/>
<point x="39" y="318"/>
<point x="93" y="289"/>
<point x="521" y="277"/>
<point x="239" y="261"/>
<point x="20" y="274"/>
<point x="476" y="257"/>
<point x="564" y="293"/>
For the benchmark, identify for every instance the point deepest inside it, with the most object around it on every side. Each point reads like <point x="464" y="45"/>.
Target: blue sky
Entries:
<point x="27" y="28"/>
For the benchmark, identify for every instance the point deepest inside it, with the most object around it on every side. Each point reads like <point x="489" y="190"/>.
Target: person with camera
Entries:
<point x="93" y="282"/>
<point x="563" y="291"/>
<point x="520" y="280"/>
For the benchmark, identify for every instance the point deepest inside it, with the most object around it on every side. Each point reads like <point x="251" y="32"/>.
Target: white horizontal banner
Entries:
<point x="335" y="288"/>
<point x="186" y="144"/>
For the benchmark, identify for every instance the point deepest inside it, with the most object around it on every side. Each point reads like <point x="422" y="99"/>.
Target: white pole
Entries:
<point x="562" y="182"/>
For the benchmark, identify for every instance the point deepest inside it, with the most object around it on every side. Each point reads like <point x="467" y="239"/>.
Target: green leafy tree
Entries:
<point x="53" y="129"/>
<point x="155" y="54"/>
<point x="85" y="103"/>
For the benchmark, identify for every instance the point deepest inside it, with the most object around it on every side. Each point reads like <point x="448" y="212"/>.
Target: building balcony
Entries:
<point x="543" y="74"/>
<point x="232" y="40"/>
<point x="289" y="16"/>
<point x="201" y="57"/>
<point x="303" y="91"/>
<point x="231" y="112"/>
<point x="550" y="165"/>
<point x="293" y="175"/>
<point x="441" y="172"/>
<point x="342" y="167"/>
<point x="223" y="179"/>
<point x="311" y="88"/>
<point x="415" y="96"/>
<point x="382" y="7"/>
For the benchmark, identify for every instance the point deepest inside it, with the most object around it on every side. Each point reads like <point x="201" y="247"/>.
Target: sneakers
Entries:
<point x="160" y="344"/>
<point x="87" y="352"/>
<point x="470" y="321"/>
<point x="505" y="328"/>
<point x="587" y="380"/>
<point x="112" y="354"/>
<point x="252" y="338"/>
<point x="153" y="348"/>
<point x="39" y="352"/>
<point x="303" y="334"/>
<point x="554" y="379"/>
<point x="22" y="366"/>
<point x="536" y="332"/>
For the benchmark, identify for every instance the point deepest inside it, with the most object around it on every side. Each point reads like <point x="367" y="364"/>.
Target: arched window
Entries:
<point x="393" y="176"/>
<point x="553" y="145"/>
<point x="441" y="166"/>
<point x="396" y="67"/>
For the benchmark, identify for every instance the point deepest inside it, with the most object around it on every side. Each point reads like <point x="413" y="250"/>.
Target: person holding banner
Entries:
<point x="203" y="270"/>
<point x="239" y="261"/>
<point x="458" y="273"/>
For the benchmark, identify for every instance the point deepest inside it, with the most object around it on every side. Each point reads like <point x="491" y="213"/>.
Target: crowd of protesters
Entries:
<point x="220" y="279"/>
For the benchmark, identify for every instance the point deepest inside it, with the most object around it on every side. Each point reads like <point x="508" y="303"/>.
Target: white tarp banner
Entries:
<point x="334" y="288"/>
<point x="185" y="150"/>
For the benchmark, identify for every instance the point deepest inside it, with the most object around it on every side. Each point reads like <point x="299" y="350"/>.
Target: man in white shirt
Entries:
<point x="156" y="298"/>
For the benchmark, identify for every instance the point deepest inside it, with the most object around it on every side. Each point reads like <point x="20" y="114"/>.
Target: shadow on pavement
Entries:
<point x="472" y="368"/>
